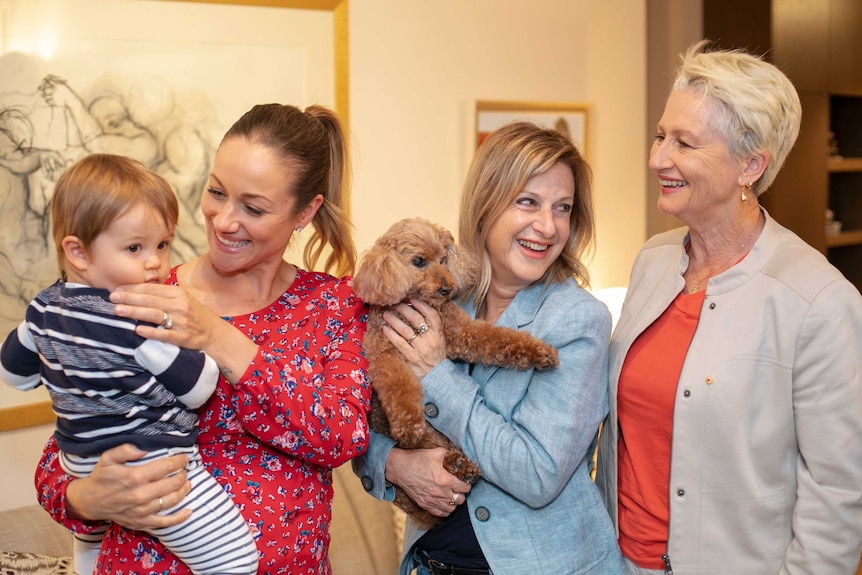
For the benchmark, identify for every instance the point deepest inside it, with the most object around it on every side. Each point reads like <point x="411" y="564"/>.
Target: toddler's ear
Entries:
<point x="75" y="253"/>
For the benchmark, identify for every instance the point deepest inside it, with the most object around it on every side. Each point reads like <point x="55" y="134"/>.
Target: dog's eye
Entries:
<point x="419" y="262"/>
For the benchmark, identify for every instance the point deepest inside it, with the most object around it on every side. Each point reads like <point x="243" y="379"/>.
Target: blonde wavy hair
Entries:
<point x="504" y="162"/>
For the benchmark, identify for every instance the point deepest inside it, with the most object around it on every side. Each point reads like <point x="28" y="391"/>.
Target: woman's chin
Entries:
<point x="669" y="206"/>
<point x="227" y="263"/>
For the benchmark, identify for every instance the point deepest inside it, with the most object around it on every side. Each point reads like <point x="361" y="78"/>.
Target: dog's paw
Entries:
<point x="547" y="358"/>
<point x="537" y="355"/>
<point x="461" y="467"/>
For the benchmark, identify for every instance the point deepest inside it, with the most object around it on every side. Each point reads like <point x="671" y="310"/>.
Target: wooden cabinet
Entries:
<point x="800" y="42"/>
<point x="799" y="197"/>
<point x="818" y="45"/>
<point x="844" y="248"/>
<point x="845" y="46"/>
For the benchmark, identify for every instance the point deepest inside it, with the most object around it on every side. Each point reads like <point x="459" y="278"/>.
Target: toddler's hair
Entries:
<point x="97" y="189"/>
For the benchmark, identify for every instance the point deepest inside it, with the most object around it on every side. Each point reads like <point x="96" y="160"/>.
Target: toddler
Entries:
<point x="113" y="222"/>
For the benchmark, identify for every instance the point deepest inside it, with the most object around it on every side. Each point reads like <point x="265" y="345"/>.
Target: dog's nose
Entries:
<point x="445" y="291"/>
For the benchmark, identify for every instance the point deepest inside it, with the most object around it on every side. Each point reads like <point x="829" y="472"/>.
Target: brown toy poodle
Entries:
<point x="419" y="260"/>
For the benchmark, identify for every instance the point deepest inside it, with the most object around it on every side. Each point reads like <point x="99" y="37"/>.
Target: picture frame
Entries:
<point x="25" y="409"/>
<point x="572" y="119"/>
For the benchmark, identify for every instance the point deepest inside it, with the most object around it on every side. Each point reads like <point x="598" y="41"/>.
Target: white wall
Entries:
<point x="417" y="68"/>
<point x="20" y="450"/>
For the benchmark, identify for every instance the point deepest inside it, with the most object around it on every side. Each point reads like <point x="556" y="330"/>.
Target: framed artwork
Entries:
<point x="568" y="119"/>
<point x="159" y="81"/>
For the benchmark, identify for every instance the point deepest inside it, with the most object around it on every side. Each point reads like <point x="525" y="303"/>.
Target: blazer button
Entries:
<point x="367" y="483"/>
<point x="712" y="306"/>
<point x="686" y="393"/>
<point x="680" y="492"/>
<point x="431" y="410"/>
<point x="482" y="513"/>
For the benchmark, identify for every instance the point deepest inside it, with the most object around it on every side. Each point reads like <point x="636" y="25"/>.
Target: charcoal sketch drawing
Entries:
<point x="47" y="123"/>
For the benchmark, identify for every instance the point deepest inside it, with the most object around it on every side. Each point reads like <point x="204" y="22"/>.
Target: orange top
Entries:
<point x="645" y="403"/>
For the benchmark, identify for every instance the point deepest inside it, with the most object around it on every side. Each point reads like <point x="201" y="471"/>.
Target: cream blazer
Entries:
<point x="766" y="464"/>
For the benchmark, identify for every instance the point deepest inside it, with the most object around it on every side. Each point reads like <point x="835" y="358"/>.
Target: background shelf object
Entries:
<point x="843" y="239"/>
<point x="844" y="164"/>
<point x="818" y="45"/>
<point x="844" y="185"/>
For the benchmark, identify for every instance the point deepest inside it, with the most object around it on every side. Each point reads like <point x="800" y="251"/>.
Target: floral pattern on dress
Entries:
<point x="271" y="441"/>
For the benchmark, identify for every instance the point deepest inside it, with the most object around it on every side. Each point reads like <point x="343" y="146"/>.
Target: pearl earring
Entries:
<point x="299" y="229"/>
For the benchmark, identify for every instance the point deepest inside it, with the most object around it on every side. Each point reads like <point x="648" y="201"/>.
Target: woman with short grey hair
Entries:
<point x="734" y="438"/>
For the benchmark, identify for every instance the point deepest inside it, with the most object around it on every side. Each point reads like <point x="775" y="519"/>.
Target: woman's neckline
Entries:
<point x="225" y="301"/>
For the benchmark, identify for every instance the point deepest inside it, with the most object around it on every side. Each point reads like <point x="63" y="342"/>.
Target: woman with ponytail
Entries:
<point x="293" y="398"/>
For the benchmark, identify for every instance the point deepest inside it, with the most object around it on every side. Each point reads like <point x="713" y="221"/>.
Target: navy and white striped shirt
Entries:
<point x="108" y="385"/>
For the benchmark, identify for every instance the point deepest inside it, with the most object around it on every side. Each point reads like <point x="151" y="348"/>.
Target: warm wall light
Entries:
<point x="35" y="28"/>
<point x="613" y="298"/>
<point x="44" y="48"/>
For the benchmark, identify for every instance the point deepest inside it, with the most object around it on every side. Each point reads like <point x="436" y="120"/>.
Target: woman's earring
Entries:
<point x="745" y="187"/>
<point x="299" y="229"/>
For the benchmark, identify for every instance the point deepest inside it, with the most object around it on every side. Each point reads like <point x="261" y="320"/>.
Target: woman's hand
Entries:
<point x="130" y="495"/>
<point x="187" y="323"/>
<point x="420" y="473"/>
<point x="191" y="322"/>
<point x="422" y="347"/>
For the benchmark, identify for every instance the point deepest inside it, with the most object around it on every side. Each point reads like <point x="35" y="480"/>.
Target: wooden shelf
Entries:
<point x="817" y="42"/>
<point x="26" y="415"/>
<point x="844" y="165"/>
<point x="843" y="239"/>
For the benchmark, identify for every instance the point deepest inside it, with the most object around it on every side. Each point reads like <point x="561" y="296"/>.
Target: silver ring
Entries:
<point x="167" y="321"/>
<point x="454" y="501"/>
<point x="411" y="338"/>
<point x="423" y="327"/>
<point x="161" y="504"/>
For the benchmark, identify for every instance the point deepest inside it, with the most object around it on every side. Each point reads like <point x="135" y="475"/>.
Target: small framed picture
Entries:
<point x="568" y="119"/>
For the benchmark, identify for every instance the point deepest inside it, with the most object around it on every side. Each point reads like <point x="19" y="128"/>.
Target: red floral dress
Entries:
<point x="298" y="411"/>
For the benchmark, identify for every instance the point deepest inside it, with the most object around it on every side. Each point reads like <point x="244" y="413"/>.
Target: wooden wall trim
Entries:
<point x="26" y="415"/>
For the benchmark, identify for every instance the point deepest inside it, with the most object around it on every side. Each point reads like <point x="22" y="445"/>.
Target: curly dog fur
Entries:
<point x="417" y="260"/>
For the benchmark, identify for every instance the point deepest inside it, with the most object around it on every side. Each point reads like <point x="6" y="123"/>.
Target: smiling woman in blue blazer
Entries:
<point x="527" y="212"/>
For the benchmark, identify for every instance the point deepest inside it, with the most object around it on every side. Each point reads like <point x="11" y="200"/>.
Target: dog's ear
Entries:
<point x="464" y="267"/>
<point x="381" y="278"/>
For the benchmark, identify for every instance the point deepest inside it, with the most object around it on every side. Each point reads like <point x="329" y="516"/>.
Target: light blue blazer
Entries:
<point x="535" y="510"/>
